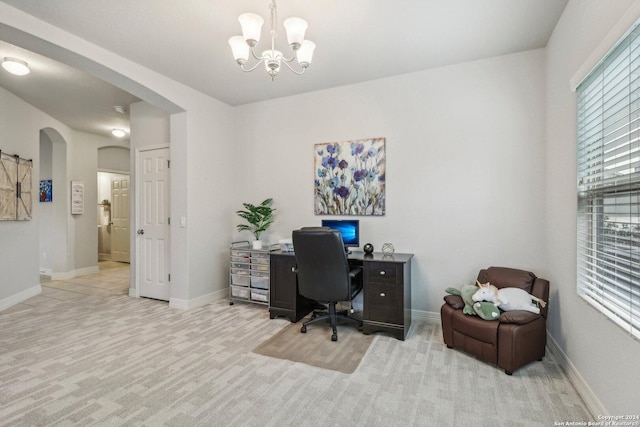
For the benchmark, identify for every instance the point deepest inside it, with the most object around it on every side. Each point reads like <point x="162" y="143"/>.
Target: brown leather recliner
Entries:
<point x="515" y="339"/>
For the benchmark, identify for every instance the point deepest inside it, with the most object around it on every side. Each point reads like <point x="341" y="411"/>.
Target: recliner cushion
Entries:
<point x="475" y="327"/>
<point x="503" y="277"/>
<point x="519" y="317"/>
<point x="454" y="301"/>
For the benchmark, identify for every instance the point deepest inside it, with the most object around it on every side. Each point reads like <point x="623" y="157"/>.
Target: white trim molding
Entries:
<point x="590" y="399"/>
<point x="75" y="273"/>
<point x="607" y="44"/>
<point x="20" y="296"/>
<point x="184" y="304"/>
<point x="427" y="316"/>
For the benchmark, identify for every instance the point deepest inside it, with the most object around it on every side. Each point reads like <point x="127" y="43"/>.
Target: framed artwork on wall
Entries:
<point x="350" y="177"/>
<point x="77" y="198"/>
<point x="46" y="191"/>
<point x="15" y="188"/>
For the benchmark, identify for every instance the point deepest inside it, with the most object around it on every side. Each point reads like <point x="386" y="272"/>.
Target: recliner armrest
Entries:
<point x="518" y="317"/>
<point x="454" y="301"/>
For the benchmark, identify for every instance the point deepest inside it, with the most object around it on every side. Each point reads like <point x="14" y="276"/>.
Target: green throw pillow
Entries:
<point x="484" y="309"/>
<point x="466" y="293"/>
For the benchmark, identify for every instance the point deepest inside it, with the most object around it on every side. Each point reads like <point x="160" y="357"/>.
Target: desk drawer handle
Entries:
<point x="382" y="294"/>
<point x="382" y="273"/>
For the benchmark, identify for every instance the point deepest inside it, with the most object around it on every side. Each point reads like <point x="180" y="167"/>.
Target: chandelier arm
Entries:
<point x="293" y="56"/>
<point x="247" y="70"/>
<point x="293" y="70"/>
<point x="253" y="53"/>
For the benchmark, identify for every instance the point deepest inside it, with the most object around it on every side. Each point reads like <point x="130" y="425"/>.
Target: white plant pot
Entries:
<point x="257" y="244"/>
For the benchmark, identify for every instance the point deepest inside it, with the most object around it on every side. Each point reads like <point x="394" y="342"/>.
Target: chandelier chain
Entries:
<point x="274" y="18"/>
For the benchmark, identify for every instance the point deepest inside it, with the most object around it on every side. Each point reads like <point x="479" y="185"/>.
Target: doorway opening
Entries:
<point x="114" y="238"/>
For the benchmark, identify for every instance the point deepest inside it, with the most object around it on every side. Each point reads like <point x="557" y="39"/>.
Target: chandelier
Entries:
<point x="272" y="58"/>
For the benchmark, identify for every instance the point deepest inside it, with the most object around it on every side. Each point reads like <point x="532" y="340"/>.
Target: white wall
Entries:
<point x="603" y="353"/>
<point x="19" y="243"/>
<point x="46" y="209"/>
<point x="201" y="131"/>
<point x="465" y="165"/>
<point x="114" y="158"/>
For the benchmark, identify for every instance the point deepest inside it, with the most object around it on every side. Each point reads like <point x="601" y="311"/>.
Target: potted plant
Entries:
<point x="259" y="217"/>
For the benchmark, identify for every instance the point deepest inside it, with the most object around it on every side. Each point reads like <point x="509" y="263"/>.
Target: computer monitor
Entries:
<point x="348" y="228"/>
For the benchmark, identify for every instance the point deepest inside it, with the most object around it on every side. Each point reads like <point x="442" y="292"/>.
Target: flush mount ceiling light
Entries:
<point x="118" y="133"/>
<point x="272" y="58"/>
<point x="15" y="66"/>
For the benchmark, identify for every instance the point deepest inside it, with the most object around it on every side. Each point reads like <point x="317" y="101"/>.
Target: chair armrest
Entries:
<point x="454" y="301"/>
<point x="518" y="317"/>
<point x="354" y="272"/>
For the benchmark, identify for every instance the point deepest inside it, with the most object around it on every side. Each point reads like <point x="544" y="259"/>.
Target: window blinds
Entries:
<point x="608" y="269"/>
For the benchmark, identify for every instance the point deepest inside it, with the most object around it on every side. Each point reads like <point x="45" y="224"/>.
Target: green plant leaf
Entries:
<point x="260" y="217"/>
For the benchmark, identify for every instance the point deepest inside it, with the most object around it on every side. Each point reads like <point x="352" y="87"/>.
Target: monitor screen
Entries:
<point x="349" y="228"/>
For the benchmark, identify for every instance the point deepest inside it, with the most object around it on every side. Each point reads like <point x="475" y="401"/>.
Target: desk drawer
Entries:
<point x="381" y="303"/>
<point x="381" y="272"/>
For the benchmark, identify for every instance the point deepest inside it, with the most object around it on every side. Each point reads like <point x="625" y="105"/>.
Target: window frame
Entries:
<point x="608" y="173"/>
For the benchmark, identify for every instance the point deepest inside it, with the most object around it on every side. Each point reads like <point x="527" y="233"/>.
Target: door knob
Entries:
<point x="141" y="231"/>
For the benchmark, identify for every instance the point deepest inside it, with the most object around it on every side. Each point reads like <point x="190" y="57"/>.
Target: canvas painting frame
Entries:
<point x="350" y="177"/>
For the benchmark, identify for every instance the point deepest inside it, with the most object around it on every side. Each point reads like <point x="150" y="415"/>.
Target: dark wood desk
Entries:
<point x="386" y="291"/>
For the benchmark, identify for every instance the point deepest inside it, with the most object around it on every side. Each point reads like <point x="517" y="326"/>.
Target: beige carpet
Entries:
<point x="97" y="357"/>
<point x="315" y="348"/>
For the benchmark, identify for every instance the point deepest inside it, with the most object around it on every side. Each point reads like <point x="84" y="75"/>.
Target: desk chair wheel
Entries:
<point x="303" y="329"/>
<point x="334" y="337"/>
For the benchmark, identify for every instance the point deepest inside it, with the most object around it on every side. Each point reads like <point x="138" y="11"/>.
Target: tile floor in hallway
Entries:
<point x="112" y="279"/>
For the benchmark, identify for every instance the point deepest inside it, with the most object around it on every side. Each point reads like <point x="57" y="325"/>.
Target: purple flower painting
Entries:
<point x="350" y="177"/>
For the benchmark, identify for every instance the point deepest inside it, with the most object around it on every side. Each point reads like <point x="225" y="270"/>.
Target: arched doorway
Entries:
<point x="54" y="231"/>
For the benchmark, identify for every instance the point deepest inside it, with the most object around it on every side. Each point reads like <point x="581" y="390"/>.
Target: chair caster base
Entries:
<point x="508" y="372"/>
<point x="303" y="329"/>
<point x="334" y="337"/>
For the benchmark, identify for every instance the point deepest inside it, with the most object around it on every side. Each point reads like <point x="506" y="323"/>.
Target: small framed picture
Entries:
<point x="46" y="191"/>
<point x="77" y="198"/>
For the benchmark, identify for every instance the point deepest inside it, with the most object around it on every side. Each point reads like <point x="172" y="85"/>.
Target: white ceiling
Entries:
<point x="357" y="40"/>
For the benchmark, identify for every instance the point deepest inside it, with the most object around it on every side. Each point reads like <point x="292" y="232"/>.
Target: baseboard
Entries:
<point x="184" y="304"/>
<point x="427" y="316"/>
<point x="590" y="399"/>
<point x="75" y="273"/>
<point x="66" y="275"/>
<point x="20" y="296"/>
<point x="87" y="270"/>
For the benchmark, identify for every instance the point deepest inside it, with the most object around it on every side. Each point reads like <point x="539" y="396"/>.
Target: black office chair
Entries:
<point x="324" y="275"/>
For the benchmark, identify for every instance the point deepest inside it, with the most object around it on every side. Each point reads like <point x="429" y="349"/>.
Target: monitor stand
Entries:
<point x="347" y="250"/>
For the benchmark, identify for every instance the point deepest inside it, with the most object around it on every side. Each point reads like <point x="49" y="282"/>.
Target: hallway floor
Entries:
<point x="112" y="279"/>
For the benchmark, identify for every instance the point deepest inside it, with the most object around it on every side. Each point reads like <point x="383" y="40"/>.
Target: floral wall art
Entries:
<point x="350" y="177"/>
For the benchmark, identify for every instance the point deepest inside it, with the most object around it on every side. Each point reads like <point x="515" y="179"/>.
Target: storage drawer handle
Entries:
<point x="382" y="273"/>
<point x="382" y="294"/>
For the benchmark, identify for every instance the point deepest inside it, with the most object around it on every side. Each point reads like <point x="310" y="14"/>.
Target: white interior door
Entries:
<point x="120" y="228"/>
<point x="153" y="224"/>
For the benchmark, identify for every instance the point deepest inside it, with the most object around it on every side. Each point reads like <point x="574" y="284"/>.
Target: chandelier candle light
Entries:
<point x="272" y="58"/>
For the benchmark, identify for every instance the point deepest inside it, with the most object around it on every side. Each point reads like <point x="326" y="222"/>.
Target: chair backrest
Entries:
<point x="323" y="268"/>
<point x="504" y="277"/>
